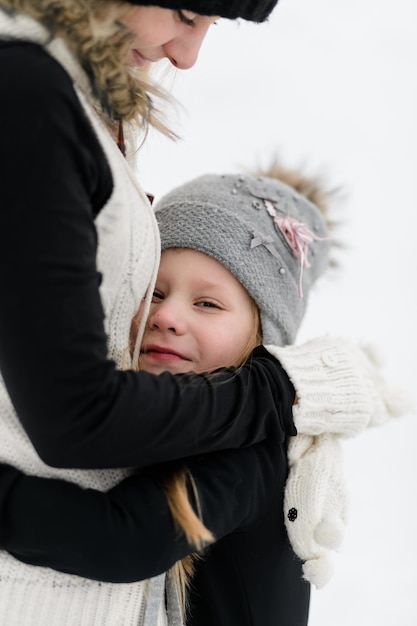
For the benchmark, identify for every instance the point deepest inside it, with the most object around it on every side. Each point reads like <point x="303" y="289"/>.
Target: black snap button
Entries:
<point x="292" y="514"/>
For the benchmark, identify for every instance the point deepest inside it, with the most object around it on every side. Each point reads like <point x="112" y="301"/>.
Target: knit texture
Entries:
<point x="252" y="10"/>
<point x="315" y="503"/>
<point x="340" y="389"/>
<point x="128" y="256"/>
<point x="340" y="392"/>
<point x="245" y="223"/>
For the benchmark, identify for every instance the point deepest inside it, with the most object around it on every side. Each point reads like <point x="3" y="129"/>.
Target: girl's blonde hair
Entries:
<point x="177" y="485"/>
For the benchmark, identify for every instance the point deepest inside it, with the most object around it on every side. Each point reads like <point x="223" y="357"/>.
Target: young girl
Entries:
<point x="240" y="255"/>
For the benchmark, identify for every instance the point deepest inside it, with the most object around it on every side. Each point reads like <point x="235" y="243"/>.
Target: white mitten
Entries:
<point x="339" y="387"/>
<point x="389" y="399"/>
<point x="315" y="503"/>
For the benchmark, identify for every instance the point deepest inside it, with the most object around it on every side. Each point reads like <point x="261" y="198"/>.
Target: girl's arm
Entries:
<point x="128" y="534"/>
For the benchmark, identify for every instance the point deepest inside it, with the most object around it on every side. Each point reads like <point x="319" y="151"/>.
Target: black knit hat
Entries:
<point x="252" y="10"/>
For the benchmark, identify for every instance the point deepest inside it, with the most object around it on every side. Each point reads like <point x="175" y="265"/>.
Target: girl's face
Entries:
<point x="164" y="33"/>
<point x="201" y="318"/>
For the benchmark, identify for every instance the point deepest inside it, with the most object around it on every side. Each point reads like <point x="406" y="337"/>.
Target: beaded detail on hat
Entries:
<point x="297" y="235"/>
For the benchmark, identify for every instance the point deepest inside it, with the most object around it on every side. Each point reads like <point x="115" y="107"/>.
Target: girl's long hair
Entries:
<point x="180" y="483"/>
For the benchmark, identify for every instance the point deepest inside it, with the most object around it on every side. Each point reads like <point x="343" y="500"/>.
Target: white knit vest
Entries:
<point x="128" y="257"/>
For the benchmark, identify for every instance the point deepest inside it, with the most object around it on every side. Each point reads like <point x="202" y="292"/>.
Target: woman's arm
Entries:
<point x="152" y="419"/>
<point x="128" y="534"/>
<point x="77" y="409"/>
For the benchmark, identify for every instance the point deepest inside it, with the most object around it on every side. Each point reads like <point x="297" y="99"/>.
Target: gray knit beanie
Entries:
<point x="252" y="10"/>
<point x="269" y="236"/>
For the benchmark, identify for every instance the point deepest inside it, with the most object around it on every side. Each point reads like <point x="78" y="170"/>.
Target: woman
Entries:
<point x="79" y="251"/>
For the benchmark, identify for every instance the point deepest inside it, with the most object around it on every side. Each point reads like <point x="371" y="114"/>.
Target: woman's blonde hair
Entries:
<point x="94" y="33"/>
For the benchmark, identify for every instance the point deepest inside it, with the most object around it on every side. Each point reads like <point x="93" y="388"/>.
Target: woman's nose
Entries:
<point x="183" y="51"/>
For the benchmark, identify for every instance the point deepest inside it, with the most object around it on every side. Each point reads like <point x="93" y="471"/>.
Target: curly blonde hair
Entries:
<point x="94" y="33"/>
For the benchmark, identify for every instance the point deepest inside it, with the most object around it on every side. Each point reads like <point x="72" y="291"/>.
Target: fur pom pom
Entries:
<point x="329" y="533"/>
<point x="318" y="571"/>
<point x="399" y="401"/>
<point x="375" y="354"/>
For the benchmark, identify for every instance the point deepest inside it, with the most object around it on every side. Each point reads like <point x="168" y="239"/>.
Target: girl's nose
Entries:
<point x="183" y="51"/>
<point x="167" y="317"/>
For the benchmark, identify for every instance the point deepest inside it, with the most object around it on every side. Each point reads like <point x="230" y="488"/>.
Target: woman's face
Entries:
<point x="166" y="33"/>
<point x="201" y="318"/>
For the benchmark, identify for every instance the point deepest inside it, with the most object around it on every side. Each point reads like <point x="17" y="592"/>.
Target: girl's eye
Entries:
<point x="157" y="296"/>
<point x="206" y="304"/>
<point x="187" y="17"/>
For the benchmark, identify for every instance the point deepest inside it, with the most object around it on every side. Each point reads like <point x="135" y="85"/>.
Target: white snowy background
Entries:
<point x="332" y="84"/>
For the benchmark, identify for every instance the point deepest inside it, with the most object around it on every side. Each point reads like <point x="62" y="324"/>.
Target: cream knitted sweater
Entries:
<point x="128" y="257"/>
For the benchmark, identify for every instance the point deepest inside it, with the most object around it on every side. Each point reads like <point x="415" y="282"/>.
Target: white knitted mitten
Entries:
<point x="339" y="387"/>
<point x="315" y="503"/>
